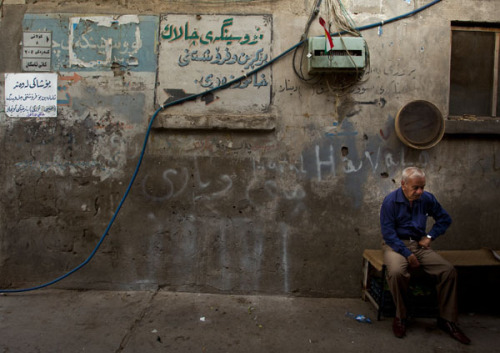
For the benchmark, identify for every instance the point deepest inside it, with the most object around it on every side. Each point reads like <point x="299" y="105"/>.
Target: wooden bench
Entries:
<point x="373" y="259"/>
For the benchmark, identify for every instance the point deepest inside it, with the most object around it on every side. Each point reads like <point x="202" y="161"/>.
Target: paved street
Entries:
<point x="53" y="320"/>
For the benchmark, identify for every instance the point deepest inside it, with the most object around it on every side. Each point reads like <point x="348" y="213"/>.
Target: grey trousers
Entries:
<point x="398" y="277"/>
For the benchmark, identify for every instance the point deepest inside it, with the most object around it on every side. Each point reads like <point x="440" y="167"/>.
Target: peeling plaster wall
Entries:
<point x="283" y="201"/>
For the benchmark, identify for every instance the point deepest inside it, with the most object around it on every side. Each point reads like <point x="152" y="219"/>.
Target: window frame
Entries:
<point x="481" y="27"/>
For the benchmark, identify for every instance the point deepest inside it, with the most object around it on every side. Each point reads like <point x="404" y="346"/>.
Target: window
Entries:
<point x="474" y="74"/>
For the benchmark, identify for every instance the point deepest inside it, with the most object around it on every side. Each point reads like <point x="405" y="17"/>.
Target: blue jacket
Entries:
<point x="399" y="221"/>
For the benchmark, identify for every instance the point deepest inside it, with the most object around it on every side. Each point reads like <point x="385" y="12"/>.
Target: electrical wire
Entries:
<point x="338" y="17"/>
<point x="341" y="18"/>
<point x="299" y="72"/>
<point x="397" y="18"/>
<point x="305" y="79"/>
<point x="312" y="16"/>
<point x="345" y="24"/>
<point x="148" y="131"/>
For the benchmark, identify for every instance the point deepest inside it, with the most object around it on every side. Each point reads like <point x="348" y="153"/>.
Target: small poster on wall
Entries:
<point x="30" y="95"/>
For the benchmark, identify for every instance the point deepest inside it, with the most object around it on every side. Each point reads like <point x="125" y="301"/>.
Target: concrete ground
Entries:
<point x="51" y="320"/>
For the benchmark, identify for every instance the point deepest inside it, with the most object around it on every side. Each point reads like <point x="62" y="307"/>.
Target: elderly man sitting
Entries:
<point x="407" y="245"/>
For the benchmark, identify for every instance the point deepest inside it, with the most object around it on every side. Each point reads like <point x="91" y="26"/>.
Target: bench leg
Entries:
<point x="366" y="267"/>
<point x="382" y="295"/>
<point x="378" y="302"/>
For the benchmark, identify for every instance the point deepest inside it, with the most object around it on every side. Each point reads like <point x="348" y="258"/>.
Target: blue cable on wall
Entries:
<point x="148" y="131"/>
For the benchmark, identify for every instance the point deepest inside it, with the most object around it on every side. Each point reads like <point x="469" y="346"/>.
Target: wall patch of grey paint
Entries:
<point x="106" y="69"/>
<point x="93" y="43"/>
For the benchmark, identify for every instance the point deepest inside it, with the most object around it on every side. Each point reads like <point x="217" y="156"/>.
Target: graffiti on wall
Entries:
<point x="200" y="53"/>
<point x="320" y="164"/>
<point x="277" y="189"/>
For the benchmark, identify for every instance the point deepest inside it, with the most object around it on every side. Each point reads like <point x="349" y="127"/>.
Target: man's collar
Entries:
<point x="400" y="196"/>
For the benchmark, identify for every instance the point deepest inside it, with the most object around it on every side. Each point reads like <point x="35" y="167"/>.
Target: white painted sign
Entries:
<point x="31" y="95"/>
<point x="201" y="52"/>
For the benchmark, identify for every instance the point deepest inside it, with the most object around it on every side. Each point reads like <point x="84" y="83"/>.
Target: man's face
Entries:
<point x="413" y="188"/>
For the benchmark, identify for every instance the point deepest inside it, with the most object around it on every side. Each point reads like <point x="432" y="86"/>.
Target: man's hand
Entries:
<point x="425" y="242"/>
<point x="413" y="261"/>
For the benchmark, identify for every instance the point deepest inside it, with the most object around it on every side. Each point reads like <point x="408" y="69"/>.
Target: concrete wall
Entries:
<point x="272" y="188"/>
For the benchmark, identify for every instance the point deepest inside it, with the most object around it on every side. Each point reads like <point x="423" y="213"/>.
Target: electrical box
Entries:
<point x="348" y="54"/>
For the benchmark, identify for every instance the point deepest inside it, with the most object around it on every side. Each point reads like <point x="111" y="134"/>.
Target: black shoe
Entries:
<point x="399" y="327"/>
<point x="452" y="329"/>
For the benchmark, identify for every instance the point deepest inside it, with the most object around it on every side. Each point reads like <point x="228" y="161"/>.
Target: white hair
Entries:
<point x="412" y="172"/>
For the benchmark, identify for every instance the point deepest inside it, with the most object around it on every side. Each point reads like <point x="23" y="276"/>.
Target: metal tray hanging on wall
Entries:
<point x="420" y="124"/>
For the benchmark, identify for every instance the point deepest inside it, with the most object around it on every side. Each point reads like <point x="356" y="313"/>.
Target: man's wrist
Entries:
<point x="429" y="237"/>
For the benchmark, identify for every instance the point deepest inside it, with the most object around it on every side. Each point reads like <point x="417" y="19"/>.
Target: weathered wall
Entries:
<point x="282" y="198"/>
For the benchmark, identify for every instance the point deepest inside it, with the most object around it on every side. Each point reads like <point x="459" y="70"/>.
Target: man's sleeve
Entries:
<point x="441" y="217"/>
<point x="388" y="227"/>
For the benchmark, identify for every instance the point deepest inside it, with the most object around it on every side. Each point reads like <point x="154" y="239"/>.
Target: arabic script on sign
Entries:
<point x="30" y="95"/>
